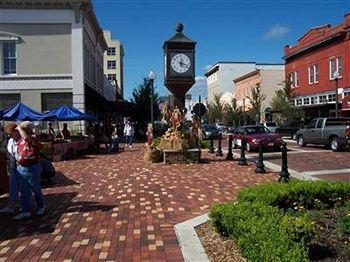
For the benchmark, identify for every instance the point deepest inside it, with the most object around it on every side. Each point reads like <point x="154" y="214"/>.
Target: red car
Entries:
<point x="255" y="135"/>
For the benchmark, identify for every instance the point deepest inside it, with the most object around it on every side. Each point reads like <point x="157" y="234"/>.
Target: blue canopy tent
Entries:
<point x="67" y="113"/>
<point x="22" y="112"/>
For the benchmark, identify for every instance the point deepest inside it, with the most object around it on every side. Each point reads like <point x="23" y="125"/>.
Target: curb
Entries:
<point x="189" y="242"/>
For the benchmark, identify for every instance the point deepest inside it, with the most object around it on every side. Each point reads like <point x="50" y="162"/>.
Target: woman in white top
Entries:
<point x="129" y="133"/>
<point x="12" y="156"/>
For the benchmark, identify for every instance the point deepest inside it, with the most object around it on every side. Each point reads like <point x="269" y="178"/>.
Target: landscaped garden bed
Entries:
<point x="296" y="221"/>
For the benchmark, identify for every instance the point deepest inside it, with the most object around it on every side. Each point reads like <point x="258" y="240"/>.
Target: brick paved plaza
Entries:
<point x="116" y="207"/>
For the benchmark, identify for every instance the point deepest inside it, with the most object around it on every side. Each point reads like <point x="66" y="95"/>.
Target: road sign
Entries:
<point x="199" y="109"/>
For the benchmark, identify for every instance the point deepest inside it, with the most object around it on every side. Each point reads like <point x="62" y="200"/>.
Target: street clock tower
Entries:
<point x="179" y="65"/>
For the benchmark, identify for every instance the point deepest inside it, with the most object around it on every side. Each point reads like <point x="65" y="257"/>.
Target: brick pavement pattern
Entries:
<point x="119" y="208"/>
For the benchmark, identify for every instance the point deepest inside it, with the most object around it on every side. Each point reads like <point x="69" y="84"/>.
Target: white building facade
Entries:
<point x="113" y="63"/>
<point x="56" y="56"/>
<point x="220" y="76"/>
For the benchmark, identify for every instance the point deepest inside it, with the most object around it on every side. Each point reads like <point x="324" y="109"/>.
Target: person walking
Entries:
<point x="12" y="156"/>
<point x="129" y="133"/>
<point x="29" y="171"/>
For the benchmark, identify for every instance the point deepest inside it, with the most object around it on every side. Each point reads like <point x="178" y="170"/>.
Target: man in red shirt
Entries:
<point x="29" y="170"/>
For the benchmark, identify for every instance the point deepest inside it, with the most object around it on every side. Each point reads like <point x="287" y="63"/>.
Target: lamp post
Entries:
<point x="336" y="76"/>
<point x="151" y="77"/>
<point x="244" y="118"/>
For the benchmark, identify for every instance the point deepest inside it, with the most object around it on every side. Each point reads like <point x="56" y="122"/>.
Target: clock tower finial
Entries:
<point x="179" y="27"/>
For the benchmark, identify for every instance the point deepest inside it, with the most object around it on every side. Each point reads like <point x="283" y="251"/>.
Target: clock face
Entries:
<point x="180" y="63"/>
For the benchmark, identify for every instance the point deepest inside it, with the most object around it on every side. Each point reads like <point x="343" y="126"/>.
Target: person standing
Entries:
<point x="129" y="133"/>
<point x="29" y="171"/>
<point x="51" y="132"/>
<point x="65" y="132"/>
<point x="12" y="156"/>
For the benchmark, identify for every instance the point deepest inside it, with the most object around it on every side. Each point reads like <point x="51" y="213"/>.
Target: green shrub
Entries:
<point x="265" y="222"/>
<point x="263" y="233"/>
<point x="344" y="224"/>
<point x="205" y="144"/>
<point x="156" y="141"/>
<point x="308" y="194"/>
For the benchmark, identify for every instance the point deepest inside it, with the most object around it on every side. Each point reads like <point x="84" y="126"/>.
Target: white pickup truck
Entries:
<point x="328" y="131"/>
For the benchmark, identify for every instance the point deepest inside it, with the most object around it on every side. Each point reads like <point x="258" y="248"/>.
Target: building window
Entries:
<point x="313" y="74"/>
<point x="306" y="101"/>
<point x="293" y="76"/>
<point x="299" y="102"/>
<point x="334" y="65"/>
<point x="347" y="93"/>
<point x="111" y="64"/>
<point x="313" y="100"/>
<point x="9" y="58"/>
<point x="50" y="101"/>
<point x="9" y="100"/>
<point x="111" y="51"/>
<point x="331" y="98"/>
<point x="323" y="99"/>
<point x="112" y="77"/>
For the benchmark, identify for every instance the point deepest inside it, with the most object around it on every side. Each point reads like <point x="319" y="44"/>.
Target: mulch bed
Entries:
<point x="218" y="248"/>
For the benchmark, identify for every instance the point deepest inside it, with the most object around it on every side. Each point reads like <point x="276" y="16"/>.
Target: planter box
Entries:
<point x="178" y="157"/>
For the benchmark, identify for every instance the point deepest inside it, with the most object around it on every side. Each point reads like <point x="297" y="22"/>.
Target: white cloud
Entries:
<point x="277" y="32"/>
<point x="200" y="78"/>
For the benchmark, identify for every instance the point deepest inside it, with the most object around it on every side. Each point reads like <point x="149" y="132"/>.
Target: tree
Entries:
<point x="141" y="97"/>
<point x="282" y="105"/>
<point x="232" y="112"/>
<point x="214" y="110"/>
<point x="256" y="99"/>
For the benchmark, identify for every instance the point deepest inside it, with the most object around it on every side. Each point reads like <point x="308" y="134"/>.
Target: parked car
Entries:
<point x="210" y="131"/>
<point x="270" y="126"/>
<point x="231" y="129"/>
<point x="327" y="131"/>
<point x="288" y="129"/>
<point x="254" y="135"/>
<point x="222" y="127"/>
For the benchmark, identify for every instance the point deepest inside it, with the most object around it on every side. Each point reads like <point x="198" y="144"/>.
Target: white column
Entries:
<point x="78" y="63"/>
<point x="77" y="53"/>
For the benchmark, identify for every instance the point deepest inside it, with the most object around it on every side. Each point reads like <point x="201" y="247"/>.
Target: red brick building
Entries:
<point x="310" y="66"/>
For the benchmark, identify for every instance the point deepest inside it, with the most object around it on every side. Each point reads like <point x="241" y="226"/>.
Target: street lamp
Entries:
<point x="336" y="76"/>
<point x="151" y="77"/>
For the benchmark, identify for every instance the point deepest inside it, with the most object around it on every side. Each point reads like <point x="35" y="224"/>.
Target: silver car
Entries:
<point x="271" y="126"/>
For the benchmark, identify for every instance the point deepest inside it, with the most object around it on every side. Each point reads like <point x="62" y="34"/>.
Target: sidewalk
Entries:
<point x="118" y="208"/>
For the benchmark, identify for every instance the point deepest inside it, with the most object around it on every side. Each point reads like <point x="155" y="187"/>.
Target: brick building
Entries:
<point x="310" y="66"/>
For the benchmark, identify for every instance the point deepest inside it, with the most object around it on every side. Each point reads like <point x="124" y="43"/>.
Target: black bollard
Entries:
<point x="242" y="161"/>
<point x="229" y="152"/>
<point x="260" y="167"/>
<point x="284" y="175"/>
<point x="211" y="148"/>
<point x="219" y="150"/>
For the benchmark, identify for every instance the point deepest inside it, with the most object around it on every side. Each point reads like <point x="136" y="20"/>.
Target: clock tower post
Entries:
<point x="179" y="65"/>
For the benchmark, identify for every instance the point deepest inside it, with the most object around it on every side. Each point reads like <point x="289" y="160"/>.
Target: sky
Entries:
<point x="225" y="30"/>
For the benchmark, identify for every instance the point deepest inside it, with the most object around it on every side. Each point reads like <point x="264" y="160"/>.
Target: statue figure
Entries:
<point x="176" y="118"/>
<point x="149" y="134"/>
<point x="166" y="113"/>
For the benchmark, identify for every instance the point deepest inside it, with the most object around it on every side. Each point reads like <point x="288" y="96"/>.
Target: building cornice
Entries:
<point x="243" y="77"/>
<point x="315" y="45"/>
<point x="76" y="5"/>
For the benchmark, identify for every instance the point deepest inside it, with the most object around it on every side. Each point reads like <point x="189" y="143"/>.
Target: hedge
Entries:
<point x="263" y="225"/>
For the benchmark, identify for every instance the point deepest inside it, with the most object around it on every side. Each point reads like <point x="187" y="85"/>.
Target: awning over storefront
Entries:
<point x="22" y="112"/>
<point x="67" y="113"/>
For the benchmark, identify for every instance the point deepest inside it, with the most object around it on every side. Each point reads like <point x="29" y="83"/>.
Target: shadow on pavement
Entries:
<point x="57" y="205"/>
<point x="60" y="180"/>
